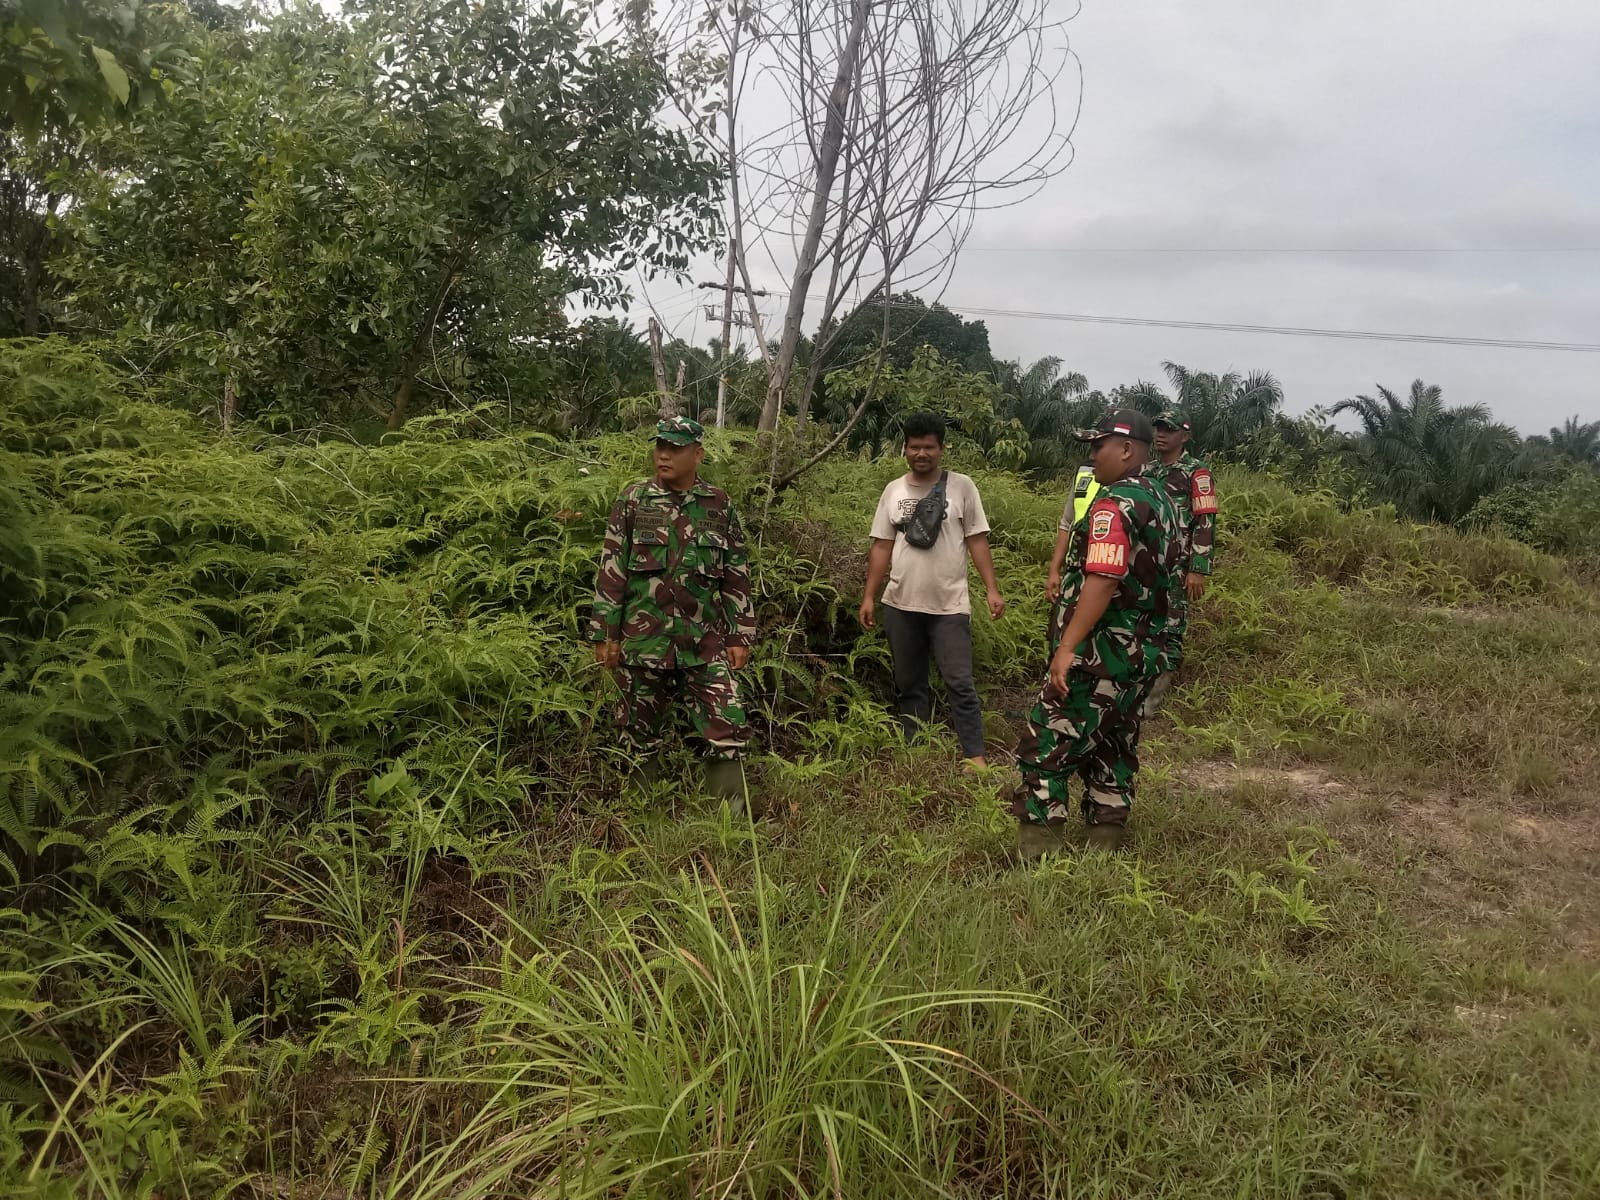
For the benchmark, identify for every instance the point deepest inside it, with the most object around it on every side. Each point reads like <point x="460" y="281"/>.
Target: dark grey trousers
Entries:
<point x="916" y="638"/>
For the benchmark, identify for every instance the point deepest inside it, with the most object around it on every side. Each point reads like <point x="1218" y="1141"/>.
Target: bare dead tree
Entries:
<point x="860" y="139"/>
<point x="890" y="124"/>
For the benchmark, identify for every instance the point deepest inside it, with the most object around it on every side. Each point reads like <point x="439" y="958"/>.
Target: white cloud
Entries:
<point x="1366" y="125"/>
<point x="1373" y="124"/>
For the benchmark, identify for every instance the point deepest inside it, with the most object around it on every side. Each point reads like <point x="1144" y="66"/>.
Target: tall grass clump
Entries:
<point x="686" y="1047"/>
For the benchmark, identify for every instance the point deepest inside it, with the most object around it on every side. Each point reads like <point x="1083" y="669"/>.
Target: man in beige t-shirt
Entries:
<point x="927" y="612"/>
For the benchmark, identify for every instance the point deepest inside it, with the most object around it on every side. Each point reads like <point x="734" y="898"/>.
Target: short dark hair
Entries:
<point x="922" y="424"/>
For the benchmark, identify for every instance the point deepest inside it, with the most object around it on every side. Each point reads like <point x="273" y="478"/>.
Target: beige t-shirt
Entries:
<point x="932" y="580"/>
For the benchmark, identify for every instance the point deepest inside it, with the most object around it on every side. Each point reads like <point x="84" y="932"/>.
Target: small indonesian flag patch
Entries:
<point x="1108" y="540"/>
<point x="1203" y="495"/>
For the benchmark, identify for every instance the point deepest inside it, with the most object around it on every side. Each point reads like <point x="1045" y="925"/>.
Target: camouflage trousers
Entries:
<point x="709" y="694"/>
<point x="1091" y="733"/>
<point x="1172" y="642"/>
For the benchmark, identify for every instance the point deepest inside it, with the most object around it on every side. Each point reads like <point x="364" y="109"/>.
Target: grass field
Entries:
<point x="321" y="883"/>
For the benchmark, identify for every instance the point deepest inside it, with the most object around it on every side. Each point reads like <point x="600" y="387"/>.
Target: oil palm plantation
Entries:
<point x="1577" y="440"/>
<point x="1431" y="460"/>
<point x="1226" y="410"/>
<point x="1049" y="405"/>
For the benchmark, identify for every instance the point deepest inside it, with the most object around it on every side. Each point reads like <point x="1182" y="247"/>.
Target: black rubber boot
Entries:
<point x="1160" y="689"/>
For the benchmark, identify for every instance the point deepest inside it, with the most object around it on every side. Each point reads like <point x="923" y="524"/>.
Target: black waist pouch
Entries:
<point x="922" y="526"/>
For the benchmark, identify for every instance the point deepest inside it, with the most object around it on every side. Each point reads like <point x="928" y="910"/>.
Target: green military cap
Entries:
<point x="1119" y="422"/>
<point x="680" y="431"/>
<point x="1173" y="418"/>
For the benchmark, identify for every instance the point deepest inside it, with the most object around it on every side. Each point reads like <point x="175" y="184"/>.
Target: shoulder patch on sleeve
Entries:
<point x="1204" y="493"/>
<point x="1108" y="540"/>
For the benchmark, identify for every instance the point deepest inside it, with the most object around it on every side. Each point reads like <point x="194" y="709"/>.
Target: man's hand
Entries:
<point x="738" y="656"/>
<point x="867" y="614"/>
<point x="1060" y="665"/>
<point x="1052" y="586"/>
<point x="1195" y="584"/>
<point x="608" y="654"/>
<point x="997" y="605"/>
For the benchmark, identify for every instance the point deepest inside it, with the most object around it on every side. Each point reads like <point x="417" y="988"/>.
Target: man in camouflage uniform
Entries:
<point x="1115" y="603"/>
<point x="1193" y="493"/>
<point x="673" y="617"/>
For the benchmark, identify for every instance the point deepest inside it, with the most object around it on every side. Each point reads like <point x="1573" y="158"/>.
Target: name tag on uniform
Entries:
<point x="1106" y="554"/>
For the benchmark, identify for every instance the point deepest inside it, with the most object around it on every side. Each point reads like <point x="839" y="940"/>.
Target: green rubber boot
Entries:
<point x="1107" y="838"/>
<point x="725" y="779"/>
<point x="644" y="773"/>
<point x="1035" y="841"/>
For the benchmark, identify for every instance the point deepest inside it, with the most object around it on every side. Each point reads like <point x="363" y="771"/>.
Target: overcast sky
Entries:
<point x="1367" y="124"/>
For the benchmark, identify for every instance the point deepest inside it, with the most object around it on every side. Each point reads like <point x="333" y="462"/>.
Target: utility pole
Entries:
<point x="728" y="289"/>
<point x="727" y="333"/>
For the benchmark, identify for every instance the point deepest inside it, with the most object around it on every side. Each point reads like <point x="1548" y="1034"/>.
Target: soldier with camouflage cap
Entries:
<point x="1115" y="602"/>
<point x="1193" y="493"/>
<point x="673" y="617"/>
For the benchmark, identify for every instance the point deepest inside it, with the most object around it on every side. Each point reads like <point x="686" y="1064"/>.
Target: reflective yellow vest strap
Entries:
<point x="1084" y="489"/>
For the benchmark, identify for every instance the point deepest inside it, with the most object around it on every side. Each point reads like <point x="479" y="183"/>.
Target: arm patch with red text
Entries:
<point x="1108" y="540"/>
<point x="1203" y="493"/>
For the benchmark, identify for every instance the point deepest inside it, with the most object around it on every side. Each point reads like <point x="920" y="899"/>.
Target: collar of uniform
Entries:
<point x="700" y="488"/>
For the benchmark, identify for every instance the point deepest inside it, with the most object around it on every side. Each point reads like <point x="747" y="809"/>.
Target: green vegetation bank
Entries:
<point x="318" y="879"/>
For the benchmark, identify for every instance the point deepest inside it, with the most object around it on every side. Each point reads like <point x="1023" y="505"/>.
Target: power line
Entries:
<point x="1361" y="335"/>
<point x="1366" y="335"/>
<point x="1280" y="249"/>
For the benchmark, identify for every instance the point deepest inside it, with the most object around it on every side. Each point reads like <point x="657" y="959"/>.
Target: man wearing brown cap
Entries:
<point x="1112" y="614"/>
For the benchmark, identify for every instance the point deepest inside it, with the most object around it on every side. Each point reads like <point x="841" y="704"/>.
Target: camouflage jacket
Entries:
<point x="674" y="581"/>
<point x="1131" y="534"/>
<point x="1194" y="495"/>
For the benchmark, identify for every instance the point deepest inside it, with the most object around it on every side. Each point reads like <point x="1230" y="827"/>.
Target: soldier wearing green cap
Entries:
<point x="1193" y="492"/>
<point x="1112" y="614"/>
<point x="673" y="617"/>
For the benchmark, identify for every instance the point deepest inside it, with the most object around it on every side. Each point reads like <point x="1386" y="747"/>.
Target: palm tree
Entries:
<point x="1432" y="461"/>
<point x="1143" y="395"/>
<point x="1225" y="411"/>
<point x="1049" y="405"/>
<point x="1578" y="441"/>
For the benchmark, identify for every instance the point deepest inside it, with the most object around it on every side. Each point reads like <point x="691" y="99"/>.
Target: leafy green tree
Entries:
<point x="67" y="67"/>
<point x="1561" y="515"/>
<point x="970" y="400"/>
<point x="28" y="206"/>
<point x="1141" y="394"/>
<point x="603" y="363"/>
<point x="1431" y="460"/>
<point x="79" y="63"/>
<point x="912" y="325"/>
<point x="396" y="200"/>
